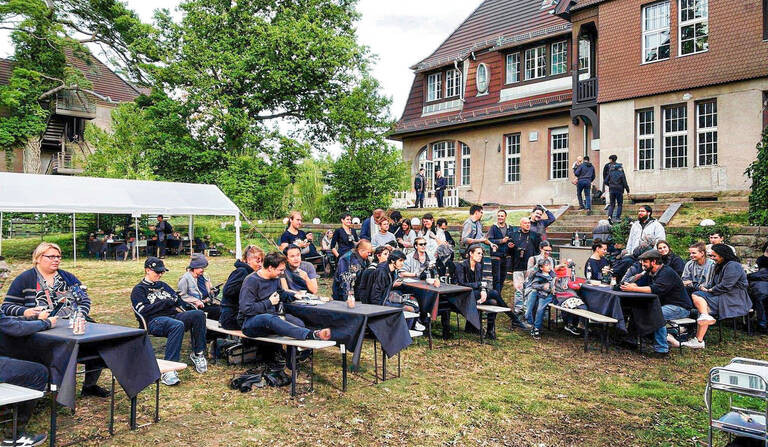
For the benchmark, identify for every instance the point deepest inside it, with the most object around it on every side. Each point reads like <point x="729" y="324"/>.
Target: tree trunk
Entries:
<point x="32" y="156"/>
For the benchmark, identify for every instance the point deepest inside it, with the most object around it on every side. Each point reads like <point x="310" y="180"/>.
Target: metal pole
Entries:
<point x="74" y="239"/>
<point x="238" y="248"/>
<point x="191" y="235"/>
<point x="136" y="244"/>
<point x="1" y="232"/>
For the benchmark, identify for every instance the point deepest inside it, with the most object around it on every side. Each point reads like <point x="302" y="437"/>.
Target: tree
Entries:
<point x="757" y="171"/>
<point x="257" y="187"/>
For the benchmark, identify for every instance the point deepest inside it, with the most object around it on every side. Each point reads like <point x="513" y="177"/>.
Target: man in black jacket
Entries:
<point x="440" y="184"/>
<point x="585" y="173"/>
<point x="23" y="373"/>
<point x="253" y="257"/>
<point x="163" y="229"/>
<point x="420" y="186"/>
<point x="616" y="181"/>
<point x="523" y="244"/>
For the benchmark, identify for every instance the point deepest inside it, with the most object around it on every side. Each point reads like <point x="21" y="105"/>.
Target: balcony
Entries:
<point x="74" y="103"/>
<point x="586" y="90"/>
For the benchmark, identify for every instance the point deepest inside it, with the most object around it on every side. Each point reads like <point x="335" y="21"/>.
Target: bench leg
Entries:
<point x="293" y="371"/>
<point x="112" y="408"/>
<point x="482" y="338"/>
<point x="398" y="365"/>
<point x="52" y="435"/>
<point x="343" y="349"/>
<point x="458" y="328"/>
<point x="312" y="371"/>
<point x="15" y="423"/>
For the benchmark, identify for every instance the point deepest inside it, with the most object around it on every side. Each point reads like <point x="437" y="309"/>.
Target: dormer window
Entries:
<point x="452" y="83"/>
<point x="434" y="87"/>
<point x="535" y="63"/>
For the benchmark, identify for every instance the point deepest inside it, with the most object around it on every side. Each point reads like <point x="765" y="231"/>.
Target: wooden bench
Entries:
<point x="14" y="395"/>
<point x="483" y="310"/>
<point x="292" y="343"/>
<point x="589" y="317"/>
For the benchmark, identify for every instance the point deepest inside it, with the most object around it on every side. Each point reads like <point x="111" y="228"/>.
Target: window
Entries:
<point x="444" y="158"/>
<point x="535" y="63"/>
<point x="482" y="78"/>
<point x="434" y="87"/>
<point x="765" y="19"/>
<point x="513" y="158"/>
<point x="513" y="67"/>
<point x="706" y="133"/>
<point x="694" y="26"/>
<point x="675" y="137"/>
<point x="465" y="161"/>
<point x="559" y="57"/>
<point x="585" y="54"/>
<point x="559" y="149"/>
<point x="452" y="83"/>
<point x="656" y="31"/>
<point x="429" y="167"/>
<point x="646" y="150"/>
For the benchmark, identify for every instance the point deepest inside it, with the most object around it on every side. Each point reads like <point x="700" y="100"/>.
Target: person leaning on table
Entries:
<point x="35" y="292"/>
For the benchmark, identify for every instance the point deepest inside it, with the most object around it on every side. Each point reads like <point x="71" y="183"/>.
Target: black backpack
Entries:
<point x="616" y="176"/>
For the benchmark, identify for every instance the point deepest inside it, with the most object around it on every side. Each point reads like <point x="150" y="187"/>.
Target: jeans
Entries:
<point x="27" y="374"/>
<point x="584" y="186"/>
<point x="499" y="268"/>
<point x="439" y="196"/>
<point x="419" y="200"/>
<point x="174" y="327"/>
<point x="759" y="306"/>
<point x="161" y="248"/>
<point x="518" y="278"/>
<point x="537" y="302"/>
<point x="617" y="202"/>
<point x="213" y="311"/>
<point x="228" y="318"/>
<point x="670" y="312"/>
<point x="263" y="325"/>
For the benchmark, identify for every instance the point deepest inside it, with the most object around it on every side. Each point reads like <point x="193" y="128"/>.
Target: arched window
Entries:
<point x="445" y="156"/>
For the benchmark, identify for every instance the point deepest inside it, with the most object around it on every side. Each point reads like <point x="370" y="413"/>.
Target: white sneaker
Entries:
<point x="201" y="365"/>
<point x="170" y="378"/>
<point x="672" y="341"/>
<point x="419" y="327"/>
<point x="706" y="319"/>
<point x="694" y="344"/>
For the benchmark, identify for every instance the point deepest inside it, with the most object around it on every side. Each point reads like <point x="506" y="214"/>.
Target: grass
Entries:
<point x="690" y="215"/>
<point x="515" y="392"/>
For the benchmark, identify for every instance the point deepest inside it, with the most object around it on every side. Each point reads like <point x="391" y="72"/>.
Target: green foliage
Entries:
<point x="758" y="173"/>
<point x="257" y="187"/>
<point x="308" y="196"/>
<point x="681" y="238"/>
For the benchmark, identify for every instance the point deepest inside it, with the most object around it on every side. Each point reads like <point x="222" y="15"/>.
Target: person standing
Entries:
<point x="420" y="186"/>
<point x="500" y="234"/>
<point x="525" y="243"/>
<point x="163" y="230"/>
<point x="585" y="173"/>
<point x="440" y="184"/>
<point x="344" y="238"/>
<point x="616" y="181"/>
<point x="538" y="223"/>
<point x="472" y="230"/>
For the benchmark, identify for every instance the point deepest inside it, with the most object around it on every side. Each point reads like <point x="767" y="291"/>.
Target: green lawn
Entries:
<point x="516" y="392"/>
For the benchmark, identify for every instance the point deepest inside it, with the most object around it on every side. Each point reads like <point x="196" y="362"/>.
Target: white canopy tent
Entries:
<point x="31" y="193"/>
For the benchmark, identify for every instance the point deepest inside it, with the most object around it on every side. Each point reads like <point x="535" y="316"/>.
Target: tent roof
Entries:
<point x="64" y="194"/>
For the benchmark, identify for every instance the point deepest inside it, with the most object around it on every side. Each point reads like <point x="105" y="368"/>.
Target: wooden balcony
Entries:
<point x="586" y="90"/>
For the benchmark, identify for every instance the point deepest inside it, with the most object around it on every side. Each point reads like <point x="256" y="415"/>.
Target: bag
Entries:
<point x="236" y="354"/>
<point x="572" y="303"/>
<point x="615" y="176"/>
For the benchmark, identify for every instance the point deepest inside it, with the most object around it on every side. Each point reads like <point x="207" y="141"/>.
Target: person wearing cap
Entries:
<point x="163" y="230"/>
<point x="195" y="288"/>
<point x="662" y="281"/>
<point x="159" y="305"/>
<point x="420" y="186"/>
<point x="252" y="259"/>
<point x="645" y="231"/>
<point x="299" y="275"/>
<point x="541" y="292"/>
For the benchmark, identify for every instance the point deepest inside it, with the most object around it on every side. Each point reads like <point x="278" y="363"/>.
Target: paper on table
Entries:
<point x="410" y="280"/>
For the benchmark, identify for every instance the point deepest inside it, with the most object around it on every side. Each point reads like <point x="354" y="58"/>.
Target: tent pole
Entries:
<point x="1" y="232"/>
<point x="136" y="244"/>
<point x="238" y="248"/>
<point x="74" y="239"/>
<point x="191" y="236"/>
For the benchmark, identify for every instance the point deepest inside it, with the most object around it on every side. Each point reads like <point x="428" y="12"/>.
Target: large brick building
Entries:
<point x="492" y="107"/>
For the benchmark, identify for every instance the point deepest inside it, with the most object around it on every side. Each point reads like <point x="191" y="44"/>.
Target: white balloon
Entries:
<point x="285" y="221"/>
<point x="316" y="221"/>
<point x="260" y="222"/>
<point x="415" y="222"/>
<point x="355" y="221"/>
<point x="707" y="223"/>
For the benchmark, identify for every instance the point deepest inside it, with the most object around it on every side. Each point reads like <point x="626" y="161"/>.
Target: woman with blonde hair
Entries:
<point x="35" y="292"/>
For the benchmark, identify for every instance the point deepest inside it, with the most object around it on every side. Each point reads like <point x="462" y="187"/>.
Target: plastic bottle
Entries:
<point x="577" y="241"/>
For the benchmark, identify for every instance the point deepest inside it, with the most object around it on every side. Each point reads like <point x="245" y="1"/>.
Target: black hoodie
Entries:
<point x="231" y="291"/>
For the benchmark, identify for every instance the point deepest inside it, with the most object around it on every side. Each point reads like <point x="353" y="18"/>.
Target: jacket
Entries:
<point x="153" y="300"/>
<point x="758" y="285"/>
<point x="468" y="278"/>
<point x="441" y="184"/>
<point x="349" y="267"/>
<point x="674" y="261"/>
<point x="730" y="284"/>
<point x="189" y="288"/>
<point x="23" y="291"/>
<point x="602" y="232"/>
<point x="526" y="245"/>
<point x="668" y="286"/>
<point x="542" y="282"/>
<point x="231" y="291"/>
<point x="648" y="234"/>
<point x="585" y="171"/>
<point x="379" y="285"/>
<point x="615" y="178"/>
<point x="419" y="183"/>
<point x="540" y="226"/>
<point x="495" y="235"/>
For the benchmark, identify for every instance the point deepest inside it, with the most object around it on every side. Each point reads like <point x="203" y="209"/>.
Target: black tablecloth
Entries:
<point x="457" y="298"/>
<point x="348" y="324"/>
<point x="127" y="352"/>
<point x="644" y="309"/>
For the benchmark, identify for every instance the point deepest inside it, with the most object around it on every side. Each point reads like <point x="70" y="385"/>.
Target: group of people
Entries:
<point x="614" y="181"/>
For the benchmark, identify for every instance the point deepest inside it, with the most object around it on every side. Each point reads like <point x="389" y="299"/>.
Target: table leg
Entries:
<point x="133" y="413"/>
<point x="343" y="367"/>
<point x="293" y="371"/>
<point x="375" y="363"/>
<point x="429" y="330"/>
<point x="482" y="337"/>
<point x="112" y="408"/>
<point x="52" y="435"/>
<point x="383" y="365"/>
<point x="15" y="422"/>
<point x="586" y="334"/>
<point x="157" y="400"/>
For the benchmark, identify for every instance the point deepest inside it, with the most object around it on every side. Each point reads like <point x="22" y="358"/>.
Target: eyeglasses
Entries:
<point x="52" y="257"/>
<point x="547" y="250"/>
<point x="421" y="244"/>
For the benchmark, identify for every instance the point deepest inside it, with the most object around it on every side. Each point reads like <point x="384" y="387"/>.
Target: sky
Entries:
<point x="400" y="32"/>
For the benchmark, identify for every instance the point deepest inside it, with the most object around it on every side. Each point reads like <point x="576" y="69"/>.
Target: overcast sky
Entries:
<point x="400" y="32"/>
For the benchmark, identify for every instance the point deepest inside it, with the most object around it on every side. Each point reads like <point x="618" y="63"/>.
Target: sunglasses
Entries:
<point x="421" y="244"/>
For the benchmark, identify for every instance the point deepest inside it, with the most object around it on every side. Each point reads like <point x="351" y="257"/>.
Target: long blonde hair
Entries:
<point x="42" y="248"/>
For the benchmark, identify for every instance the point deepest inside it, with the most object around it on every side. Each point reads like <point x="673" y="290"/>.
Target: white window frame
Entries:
<point x="555" y="135"/>
<point x="466" y="172"/>
<point x="667" y="156"/>
<point x="585" y="54"/>
<point x="452" y="83"/>
<point x="434" y="87"/>
<point x="706" y="134"/>
<point x="658" y="31"/>
<point x="513" y="68"/>
<point x="557" y="50"/>
<point x="512" y="151"/>
<point x="696" y="22"/>
<point x="536" y="60"/>
<point x="646" y="141"/>
<point x="444" y="159"/>
<point x="484" y="84"/>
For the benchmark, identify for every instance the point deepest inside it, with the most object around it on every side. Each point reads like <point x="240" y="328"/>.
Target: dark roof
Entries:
<point x="105" y="81"/>
<point x="495" y="23"/>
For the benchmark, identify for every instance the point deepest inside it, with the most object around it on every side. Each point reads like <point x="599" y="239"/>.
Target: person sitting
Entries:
<point x="444" y="262"/>
<point x="377" y="288"/>
<point x="380" y="254"/>
<point x="566" y="296"/>
<point x="622" y="264"/>
<point x="370" y="225"/>
<point x="261" y="298"/>
<point x="345" y="238"/>
<point x="405" y="237"/>
<point x="396" y="218"/>
<point x="541" y="291"/>
<point x="383" y="236"/>
<point x="716" y="237"/>
<point x="645" y="231"/>
<point x="251" y="261"/>
<point x="418" y="264"/>
<point x="299" y="275"/>
<point x="597" y="267"/>
<point x="429" y="233"/>
<point x="161" y="309"/>
<point x="94" y="246"/>
<point x="725" y="297"/>
<point x="668" y="257"/>
<point x="296" y="236"/>
<point x="545" y="252"/>
<point x="469" y="273"/>
<point x="36" y="291"/>
<point x="758" y="292"/>
<point x="195" y="289"/>
<point x="24" y="373"/>
<point x="349" y="265"/>
<point x="697" y="272"/>
<point x="665" y="283"/>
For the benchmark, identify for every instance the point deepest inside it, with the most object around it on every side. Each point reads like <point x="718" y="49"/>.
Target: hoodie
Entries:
<point x="231" y="291"/>
<point x="585" y="171"/>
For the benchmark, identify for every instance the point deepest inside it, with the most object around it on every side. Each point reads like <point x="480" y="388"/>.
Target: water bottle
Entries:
<point x="577" y="241"/>
<point x="78" y="328"/>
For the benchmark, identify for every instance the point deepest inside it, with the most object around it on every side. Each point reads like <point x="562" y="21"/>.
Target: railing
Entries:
<point x="406" y="199"/>
<point x="74" y="102"/>
<point x="586" y="90"/>
<point x="62" y="162"/>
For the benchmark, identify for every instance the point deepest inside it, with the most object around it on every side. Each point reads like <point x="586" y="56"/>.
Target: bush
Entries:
<point x="679" y="238"/>
<point x="758" y="172"/>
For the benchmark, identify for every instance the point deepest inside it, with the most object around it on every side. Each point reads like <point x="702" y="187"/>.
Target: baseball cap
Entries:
<point x="650" y="254"/>
<point x="155" y="264"/>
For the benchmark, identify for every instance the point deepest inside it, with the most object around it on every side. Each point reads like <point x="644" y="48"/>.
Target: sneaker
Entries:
<point x="201" y="365"/>
<point x="573" y="330"/>
<point x="672" y="341"/>
<point x="535" y="334"/>
<point x="419" y="327"/>
<point x="26" y="440"/>
<point x="521" y="323"/>
<point x="170" y="378"/>
<point x="706" y="319"/>
<point x="693" y="343"/>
